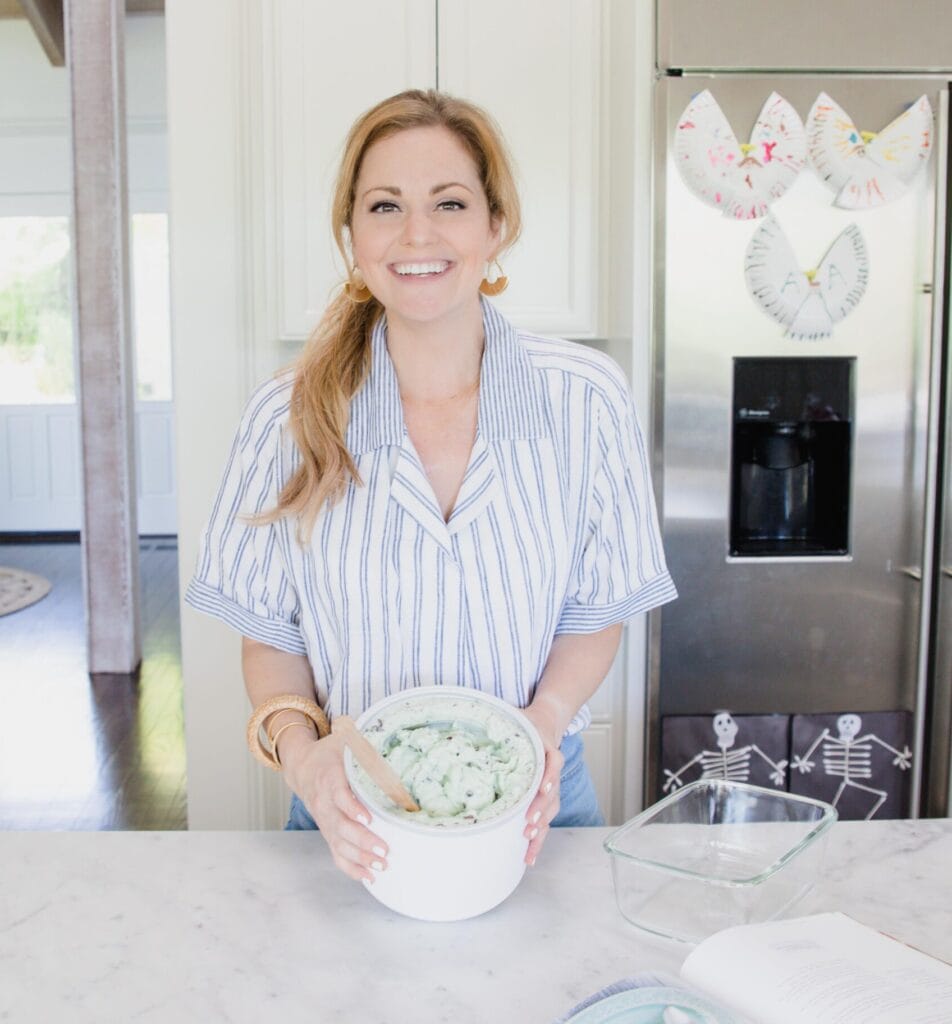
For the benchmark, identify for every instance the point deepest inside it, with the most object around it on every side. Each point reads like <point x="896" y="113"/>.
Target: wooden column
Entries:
<point x="94" y="57"/>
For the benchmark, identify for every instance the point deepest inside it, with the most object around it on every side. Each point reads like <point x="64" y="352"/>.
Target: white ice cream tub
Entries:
<point x="448" y="873"/>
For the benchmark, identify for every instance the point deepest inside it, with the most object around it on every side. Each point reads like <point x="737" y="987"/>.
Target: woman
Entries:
<point x="430" y="497"/>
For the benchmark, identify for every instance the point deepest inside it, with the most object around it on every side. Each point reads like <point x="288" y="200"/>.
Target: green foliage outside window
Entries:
<point x="36" y="340"/>
<point x="36" y="333"/>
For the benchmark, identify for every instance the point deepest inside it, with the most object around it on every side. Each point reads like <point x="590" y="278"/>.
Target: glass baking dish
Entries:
<point x="716" y="854"/>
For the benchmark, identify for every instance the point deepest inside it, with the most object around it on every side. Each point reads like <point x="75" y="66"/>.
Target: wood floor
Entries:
<point x="78" y="754"/>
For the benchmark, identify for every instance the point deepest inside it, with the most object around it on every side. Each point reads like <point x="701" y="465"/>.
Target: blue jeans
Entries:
<point x="578" y="803"/>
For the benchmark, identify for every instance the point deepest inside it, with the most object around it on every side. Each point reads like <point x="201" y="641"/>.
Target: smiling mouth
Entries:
<point x="416" y="271"/>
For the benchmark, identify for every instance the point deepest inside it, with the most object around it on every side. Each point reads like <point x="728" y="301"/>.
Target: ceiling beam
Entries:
<point x="46" y="17"/>
<point x="14" y="8"/>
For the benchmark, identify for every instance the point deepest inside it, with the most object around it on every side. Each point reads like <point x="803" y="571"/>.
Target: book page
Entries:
<point x="824" y="969"/>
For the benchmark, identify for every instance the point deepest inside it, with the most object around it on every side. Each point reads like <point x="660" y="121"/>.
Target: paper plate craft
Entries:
<point x="741" y="180"/>
<point x="868" y="169"/>
<point x="807" y="303"/>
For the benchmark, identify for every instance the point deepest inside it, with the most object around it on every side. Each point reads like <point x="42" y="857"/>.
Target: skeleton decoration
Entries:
<point x="806" y="302"/>
<point x="868" y="169"/>
<point x="761" y="760"/>
<point x="855" y="770"/>
<point x="741" y="180"/>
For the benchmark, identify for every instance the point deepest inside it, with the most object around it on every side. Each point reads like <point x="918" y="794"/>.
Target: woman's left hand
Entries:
<point x="545" y="806"/>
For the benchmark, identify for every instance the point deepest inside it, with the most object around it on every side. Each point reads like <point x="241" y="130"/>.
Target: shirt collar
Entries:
<point x="511" y="401"/>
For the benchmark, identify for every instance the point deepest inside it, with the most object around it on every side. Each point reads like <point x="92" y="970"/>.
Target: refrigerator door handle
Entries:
<point x="933" y="446"/>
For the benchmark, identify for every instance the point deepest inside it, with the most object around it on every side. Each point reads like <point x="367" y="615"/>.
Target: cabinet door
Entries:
<point x="604" y="738"/>
<point x="322" y="64"/>
<point x="599" y="757"/>
<point x="534" y="66"/>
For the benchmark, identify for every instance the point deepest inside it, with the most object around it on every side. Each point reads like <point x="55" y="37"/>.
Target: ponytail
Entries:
<point x="329" y="372"/>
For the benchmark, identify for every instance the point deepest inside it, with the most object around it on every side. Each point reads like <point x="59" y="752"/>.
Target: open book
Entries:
<point x="823" y="969"/>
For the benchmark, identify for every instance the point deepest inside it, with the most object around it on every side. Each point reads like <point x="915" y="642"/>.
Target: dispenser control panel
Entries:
<point x="791" y="456"/>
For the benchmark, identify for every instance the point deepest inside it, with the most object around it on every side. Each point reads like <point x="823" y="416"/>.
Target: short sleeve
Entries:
<point x="241" y="574"/>
<point x="621" y="569"/>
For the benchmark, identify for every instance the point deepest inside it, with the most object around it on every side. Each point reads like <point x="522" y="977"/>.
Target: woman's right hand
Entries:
<point x="315" y="771"/>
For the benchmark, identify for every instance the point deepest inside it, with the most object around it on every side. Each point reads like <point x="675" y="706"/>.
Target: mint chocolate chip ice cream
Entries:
<point x="462" y="760"/>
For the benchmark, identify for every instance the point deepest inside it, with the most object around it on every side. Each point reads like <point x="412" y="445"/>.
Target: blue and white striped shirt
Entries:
<point x="554" y="531"/>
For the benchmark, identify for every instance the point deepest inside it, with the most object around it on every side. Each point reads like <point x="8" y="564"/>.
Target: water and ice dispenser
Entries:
<point x="791" y="456"/>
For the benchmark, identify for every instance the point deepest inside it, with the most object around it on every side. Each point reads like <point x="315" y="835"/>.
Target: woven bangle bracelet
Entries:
<point x="285" y="702"/>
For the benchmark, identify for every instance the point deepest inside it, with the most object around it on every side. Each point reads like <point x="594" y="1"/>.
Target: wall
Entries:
<point x="34" y="120"/>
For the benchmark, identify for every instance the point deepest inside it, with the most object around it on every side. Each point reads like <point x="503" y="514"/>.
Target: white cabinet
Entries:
<point x="604" y="739"/>
<point x="545" y="96"/>
<point x="320" y="64"/>
<point x="598" y="739"/>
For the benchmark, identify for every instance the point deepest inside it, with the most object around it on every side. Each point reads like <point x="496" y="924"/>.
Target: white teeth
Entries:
<point x="421" y="268"/>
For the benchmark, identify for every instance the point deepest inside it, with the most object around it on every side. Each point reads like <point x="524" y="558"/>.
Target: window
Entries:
<point x="36" y="332"/>
<point x="151" y="316"/>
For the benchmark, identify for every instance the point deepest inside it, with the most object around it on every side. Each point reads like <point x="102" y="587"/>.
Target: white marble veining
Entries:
<point x="255" y="926"/>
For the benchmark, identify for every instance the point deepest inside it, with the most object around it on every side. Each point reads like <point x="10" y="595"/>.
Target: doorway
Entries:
<point x="105" y="752"/>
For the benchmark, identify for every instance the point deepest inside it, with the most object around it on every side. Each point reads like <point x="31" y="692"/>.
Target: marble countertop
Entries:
<point x="260" y="926"/>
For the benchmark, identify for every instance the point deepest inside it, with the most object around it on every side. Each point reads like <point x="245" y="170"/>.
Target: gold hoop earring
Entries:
<point x="357" y="290"/>
<point x="490" y="288"/>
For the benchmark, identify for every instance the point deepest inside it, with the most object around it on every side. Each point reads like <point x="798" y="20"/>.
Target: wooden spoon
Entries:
<point x="373" y="763"/>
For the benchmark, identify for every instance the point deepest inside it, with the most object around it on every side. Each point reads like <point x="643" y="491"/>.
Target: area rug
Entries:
<point x="20" y="589"/>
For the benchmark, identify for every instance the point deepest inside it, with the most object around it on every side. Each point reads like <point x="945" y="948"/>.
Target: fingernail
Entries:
<point x="533" y="833"/>
<point x="377" y="866"/>
<point x="363" y="819"/>
<point x="380" y="851"/>
<point x="536" y="817"/>
<point x="547" y="788"/>
<point x="532" y="863"/>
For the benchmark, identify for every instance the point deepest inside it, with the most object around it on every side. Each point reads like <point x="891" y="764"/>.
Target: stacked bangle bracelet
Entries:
<point x="287" y="702"/>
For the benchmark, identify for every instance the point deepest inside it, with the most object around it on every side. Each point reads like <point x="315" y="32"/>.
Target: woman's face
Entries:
<point x="421" y="230"/>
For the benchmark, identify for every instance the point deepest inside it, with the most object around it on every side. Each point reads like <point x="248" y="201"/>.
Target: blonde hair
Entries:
<point x="336" y="358"/>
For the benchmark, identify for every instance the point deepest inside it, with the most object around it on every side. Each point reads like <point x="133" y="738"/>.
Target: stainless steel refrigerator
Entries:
<point x="803" y="472"/>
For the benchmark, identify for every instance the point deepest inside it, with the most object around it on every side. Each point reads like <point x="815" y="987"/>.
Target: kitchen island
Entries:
<point x="260" y="926"/>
